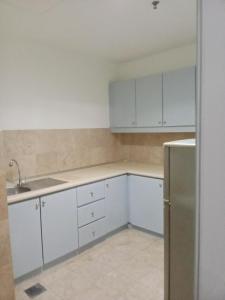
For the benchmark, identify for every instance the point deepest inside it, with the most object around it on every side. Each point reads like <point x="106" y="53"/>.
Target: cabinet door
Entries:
<point x="59" y="224"/>
<point x="179" y="97"/>
<point x="25" y="235"/>
<point x="116" y="202"/>
<point x="149" y="101"/>
<point x="122" y="103"/>
<point x="146" y="203"/>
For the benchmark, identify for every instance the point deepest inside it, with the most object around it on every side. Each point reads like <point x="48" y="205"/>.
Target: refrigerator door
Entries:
<point x="166" y="225"/>
<point x="180" y="220"/>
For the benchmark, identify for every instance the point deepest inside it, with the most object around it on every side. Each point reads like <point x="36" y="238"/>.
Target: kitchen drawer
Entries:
<point x="91" y="212"/>
<point x="91" y="232"/>
<point x="90" y="193"/>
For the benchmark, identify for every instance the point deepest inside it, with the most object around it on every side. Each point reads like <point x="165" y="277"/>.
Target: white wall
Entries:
<point x="43" y="86"/>
<point x="46" y="87"/>
<point x="212" y="151"/>
<point x="164" y="61"/>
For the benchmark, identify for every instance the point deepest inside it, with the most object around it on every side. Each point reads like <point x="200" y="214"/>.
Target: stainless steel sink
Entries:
<point x="43" y="183"/>
<point x="17" y="190"/>
<point x="34" y="185"/>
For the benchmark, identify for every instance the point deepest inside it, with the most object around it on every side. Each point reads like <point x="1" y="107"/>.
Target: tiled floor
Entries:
<point x="126" y="266"/>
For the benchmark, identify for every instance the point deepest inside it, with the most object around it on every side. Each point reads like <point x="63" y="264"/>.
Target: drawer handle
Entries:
<point x="93" y="233"/>
<point x="92" y="194"/>
<point x="93" y="214"/>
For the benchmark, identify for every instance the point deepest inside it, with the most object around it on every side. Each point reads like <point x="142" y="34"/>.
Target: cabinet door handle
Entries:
<point x="164" y="122"/>
<point x="160" y="185"/>
<point x="159" y="122"/>
<point x="43" y="203"/>
<point x="37" y="206"/>
<point x="107" y="185"/>
<point x="133" y="123"/>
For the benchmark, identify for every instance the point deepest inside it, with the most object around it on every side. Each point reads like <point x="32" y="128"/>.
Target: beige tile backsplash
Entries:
<point x="147" y="147"/>
<point x="41" y="152"/>
<point x="46" y="151"/>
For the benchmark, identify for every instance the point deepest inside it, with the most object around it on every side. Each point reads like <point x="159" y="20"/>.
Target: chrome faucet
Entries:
<point x="11" y="164"/>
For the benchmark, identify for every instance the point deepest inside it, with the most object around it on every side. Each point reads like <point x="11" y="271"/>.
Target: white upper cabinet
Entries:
<point x="149" y="101"/>
<point x="122" y="103"/>
<point x="155" y="103"/>
<point x="179" y="97"/>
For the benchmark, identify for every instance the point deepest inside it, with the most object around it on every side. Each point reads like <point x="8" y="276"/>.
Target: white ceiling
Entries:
<point x="118" y="30"/>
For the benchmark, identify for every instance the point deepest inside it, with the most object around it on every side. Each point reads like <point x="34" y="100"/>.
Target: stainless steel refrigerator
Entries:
<point x="179" y="219"/>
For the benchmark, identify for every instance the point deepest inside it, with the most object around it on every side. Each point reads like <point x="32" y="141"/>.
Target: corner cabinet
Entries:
<point x="146" y="203"/>
<point x="116" y="202"/>
<point x="155" y="103"/>
<point x="25" y="236"/>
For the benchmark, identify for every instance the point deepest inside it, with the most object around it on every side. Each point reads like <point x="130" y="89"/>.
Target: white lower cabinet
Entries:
<point x="59" y="224"/>
<point x="92" y="232"/>
<point x="25" y="235"/>
<point x="146" y="203"/>
<point x="116" y="202"/>
<point x="43" y="230"/>
<point x="90" y="213"/>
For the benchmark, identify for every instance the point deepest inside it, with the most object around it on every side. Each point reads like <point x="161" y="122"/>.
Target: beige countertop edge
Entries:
<point x="78" y="178"/>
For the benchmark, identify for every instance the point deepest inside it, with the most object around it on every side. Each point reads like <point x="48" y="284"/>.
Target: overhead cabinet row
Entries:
<point x="156" y="102"/>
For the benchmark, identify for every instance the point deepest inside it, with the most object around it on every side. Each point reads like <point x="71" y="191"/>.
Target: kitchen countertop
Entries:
<point x="88" y="175"/>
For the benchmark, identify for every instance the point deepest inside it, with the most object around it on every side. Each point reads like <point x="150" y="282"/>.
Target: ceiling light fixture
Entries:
<point x="155" y="4"/>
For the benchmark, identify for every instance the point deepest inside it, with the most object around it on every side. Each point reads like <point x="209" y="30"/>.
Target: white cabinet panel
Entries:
<point x="146" y="203"/>
<point x="59" y="224"/>
<point x="91" y="232"/>
<point x="179" y="97"/>
<point x="122" y="103"/>
<point x="149" y="101"/>
<point x="25" y="235"/>
<point x="91" y="212"/>
<point x="90" y="193"/>
<point x="116" y="202"/>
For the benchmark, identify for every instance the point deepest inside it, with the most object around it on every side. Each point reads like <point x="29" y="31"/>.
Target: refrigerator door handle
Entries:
<point x="167" y="202"/>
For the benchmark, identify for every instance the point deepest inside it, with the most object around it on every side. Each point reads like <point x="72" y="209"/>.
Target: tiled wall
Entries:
<point x="6" y="276"/>
<point x="47" y="151"/>
<point x="146" y="147"/>
<point x="41" y="152"/>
